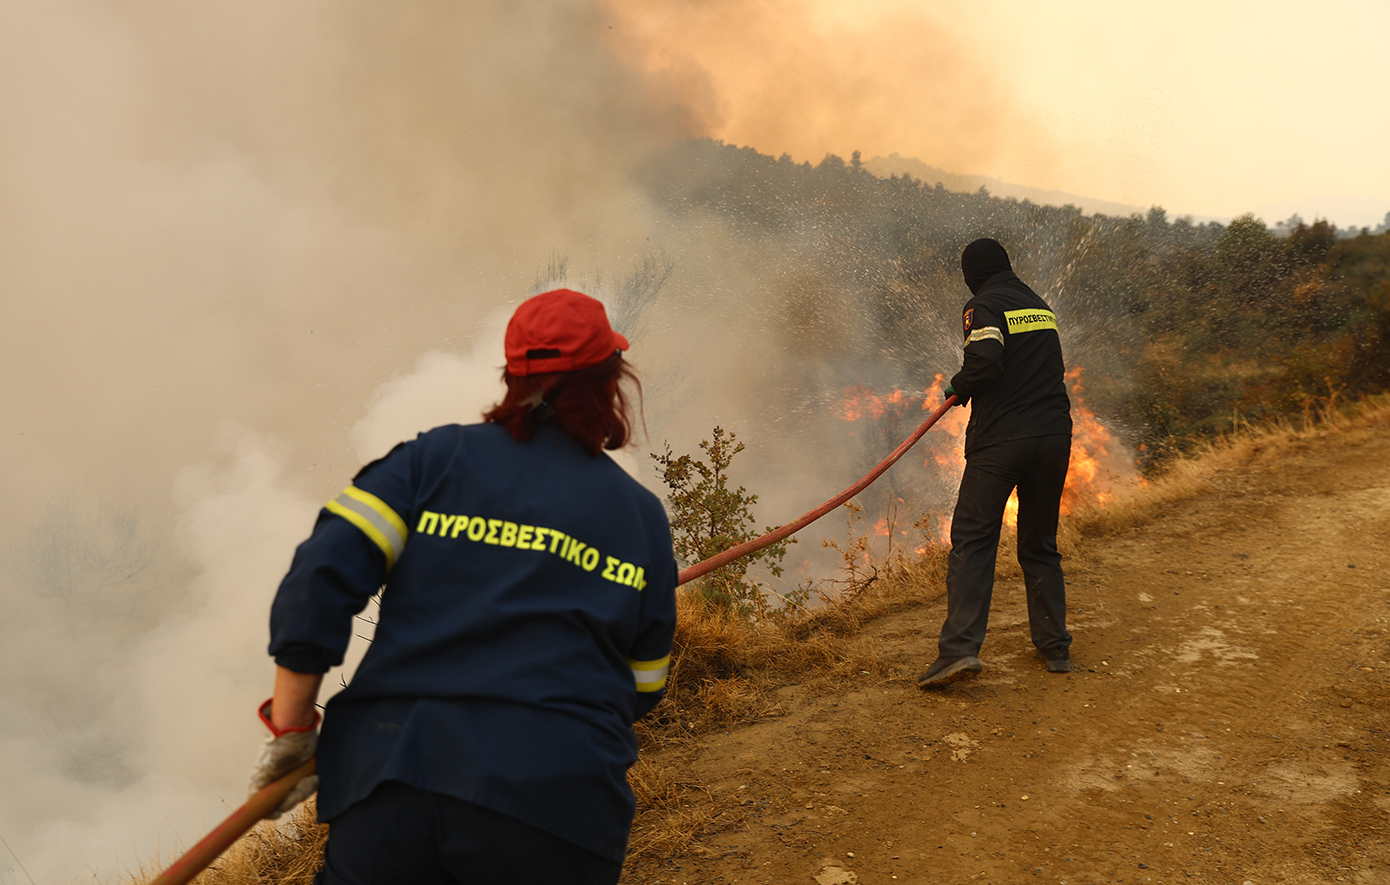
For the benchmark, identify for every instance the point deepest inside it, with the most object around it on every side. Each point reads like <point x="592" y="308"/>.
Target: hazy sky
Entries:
<point x="1213" y="108"/>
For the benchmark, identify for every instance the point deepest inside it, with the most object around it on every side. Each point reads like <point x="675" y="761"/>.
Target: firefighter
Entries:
<point x="527" y="614"/>
<point x="1018" y="437"/>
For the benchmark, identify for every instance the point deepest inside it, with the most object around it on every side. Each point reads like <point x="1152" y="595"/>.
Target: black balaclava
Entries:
<point x="981" y="260"/>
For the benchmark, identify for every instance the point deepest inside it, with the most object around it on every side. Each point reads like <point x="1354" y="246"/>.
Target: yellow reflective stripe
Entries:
<point x="985" y="333"/>
<point x="1030" y="320"/>
<point x="374" y="519"/>
<point x="650" y="675"/>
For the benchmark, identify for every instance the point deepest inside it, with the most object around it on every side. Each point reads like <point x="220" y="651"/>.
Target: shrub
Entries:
<point x="708" y="517"/>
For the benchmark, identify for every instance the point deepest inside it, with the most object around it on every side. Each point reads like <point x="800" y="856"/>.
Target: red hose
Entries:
<point x="197" y="858"/>
<point x="772" y="537"/>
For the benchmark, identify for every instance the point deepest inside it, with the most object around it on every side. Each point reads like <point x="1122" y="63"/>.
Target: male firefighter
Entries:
<point x="1019" y="437"/>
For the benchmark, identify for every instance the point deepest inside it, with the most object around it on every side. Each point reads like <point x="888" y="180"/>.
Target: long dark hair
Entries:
<point x="590" y="405"/>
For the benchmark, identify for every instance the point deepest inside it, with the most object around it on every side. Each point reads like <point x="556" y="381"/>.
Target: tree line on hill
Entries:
<point x="1183" y="328"/>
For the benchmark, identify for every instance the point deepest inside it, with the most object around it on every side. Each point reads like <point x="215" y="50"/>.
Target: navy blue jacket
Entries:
<point x="527" y="614"/>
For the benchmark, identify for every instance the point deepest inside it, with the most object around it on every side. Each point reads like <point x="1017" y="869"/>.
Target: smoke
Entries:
<point x="126" y="726"/>
<point x="821" y="77"/>
<point x="236" y="206"/>
<point x="444" y="388"/>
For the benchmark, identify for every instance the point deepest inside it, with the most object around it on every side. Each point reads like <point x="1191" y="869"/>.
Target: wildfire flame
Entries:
<point x="1097" y="468"/>
<point x="1091" y="446"/>
<point x="860" y="402"/>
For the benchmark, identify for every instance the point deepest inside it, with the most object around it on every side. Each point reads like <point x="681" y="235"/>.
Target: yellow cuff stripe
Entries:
<point x="374" y="519"/>
<point x="650" y="675"/>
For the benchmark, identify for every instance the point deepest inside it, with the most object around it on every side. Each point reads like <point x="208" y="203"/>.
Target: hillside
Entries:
<point x="1227" y="721"/>
<point x="896" y="164"/>
<point x="1185" y="330"/>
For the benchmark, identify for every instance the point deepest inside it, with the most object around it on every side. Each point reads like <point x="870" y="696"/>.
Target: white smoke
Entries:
<point x="444" y="388"/>
<point x="221" y="228"/>
<point x="163" y="752"/>
<point x="160" y="750"/>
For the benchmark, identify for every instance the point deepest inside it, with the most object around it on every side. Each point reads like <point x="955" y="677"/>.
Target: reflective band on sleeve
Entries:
<point x="984" y="334"/>
<point x="376" y="520"/>
<point x="650" y="675"/>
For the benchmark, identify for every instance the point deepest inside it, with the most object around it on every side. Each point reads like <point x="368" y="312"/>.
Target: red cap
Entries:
<point x="559" y="331"/>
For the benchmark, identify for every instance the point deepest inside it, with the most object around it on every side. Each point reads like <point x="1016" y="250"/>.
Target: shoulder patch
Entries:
<point x="968" y="318"/>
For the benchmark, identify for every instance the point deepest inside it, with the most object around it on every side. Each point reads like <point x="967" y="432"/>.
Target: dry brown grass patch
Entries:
<point x="1188" y="477"/>
<point x="670" y="814"/>
<point x="724" y="668"/>
<point x="724" y="664"/>
<point x="286" y="853"/>
<point x="666" y="832"/>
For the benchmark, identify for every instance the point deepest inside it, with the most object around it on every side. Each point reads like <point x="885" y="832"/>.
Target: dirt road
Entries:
<point x="1226" y="721"/>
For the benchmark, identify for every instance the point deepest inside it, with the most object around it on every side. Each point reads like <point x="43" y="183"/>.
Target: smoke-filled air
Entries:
<point x="246" y="248"/>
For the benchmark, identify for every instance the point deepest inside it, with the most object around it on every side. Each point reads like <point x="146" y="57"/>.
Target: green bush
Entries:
<point x="708" y="517"/>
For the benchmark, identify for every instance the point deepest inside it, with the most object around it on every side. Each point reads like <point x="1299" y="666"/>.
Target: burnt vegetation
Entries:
<point x="1187" y="330"/>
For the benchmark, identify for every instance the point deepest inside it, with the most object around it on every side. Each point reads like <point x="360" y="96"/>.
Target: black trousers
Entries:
<point x="1037" y="467"/>
<point x="401" y="834"/>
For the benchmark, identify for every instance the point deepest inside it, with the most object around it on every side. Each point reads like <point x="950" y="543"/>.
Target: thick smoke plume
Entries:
<point x="811" y="78"/>
<point x="222" y="228"/>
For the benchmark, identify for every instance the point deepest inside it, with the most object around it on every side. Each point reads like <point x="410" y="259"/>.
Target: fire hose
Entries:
<point x="772" y="537"/>
<point x="197" y="858"/>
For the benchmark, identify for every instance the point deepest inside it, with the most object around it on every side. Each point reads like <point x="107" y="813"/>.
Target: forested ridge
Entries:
<point x="1184" y="329"/>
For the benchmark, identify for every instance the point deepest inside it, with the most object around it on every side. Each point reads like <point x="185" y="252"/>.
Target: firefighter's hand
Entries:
<point x="285" y="750"/>
<point x="961" y="399"/>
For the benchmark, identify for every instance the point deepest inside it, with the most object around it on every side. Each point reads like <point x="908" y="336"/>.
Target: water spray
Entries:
<point x="197" y="858"/>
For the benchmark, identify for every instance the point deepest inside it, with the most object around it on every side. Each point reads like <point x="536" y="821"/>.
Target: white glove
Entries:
<point x="284" y="751"/>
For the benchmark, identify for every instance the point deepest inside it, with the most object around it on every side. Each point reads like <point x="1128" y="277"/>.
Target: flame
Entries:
<point x="1092" y="448"/>
<point x="860" y="402"/>
<point x="1011" y="510"/>
<point x="1098" y="466"/>
<point x="953" y="423"/>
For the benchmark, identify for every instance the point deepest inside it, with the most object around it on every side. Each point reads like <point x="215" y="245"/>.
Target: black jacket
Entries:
<point x="1013" y="371"/>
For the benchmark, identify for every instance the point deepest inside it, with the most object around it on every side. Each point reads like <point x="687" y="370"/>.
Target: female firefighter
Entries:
<point x="527" y="613"/>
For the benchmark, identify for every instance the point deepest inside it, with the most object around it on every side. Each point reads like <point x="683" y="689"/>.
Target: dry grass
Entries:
<point x="1204" y="470"/>
<point x="726" y="667"/>
<point x="668" y="822"/>
<point x="289" y="852"/>
<point x="723" y="664"/>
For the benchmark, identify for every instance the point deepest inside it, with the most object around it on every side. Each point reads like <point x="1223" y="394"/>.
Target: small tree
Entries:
<point x="707" y="518"/>
<point x="90" y="557"/>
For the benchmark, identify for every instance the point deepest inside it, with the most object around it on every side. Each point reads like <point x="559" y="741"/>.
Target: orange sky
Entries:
<point x="1209" y="108"/>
